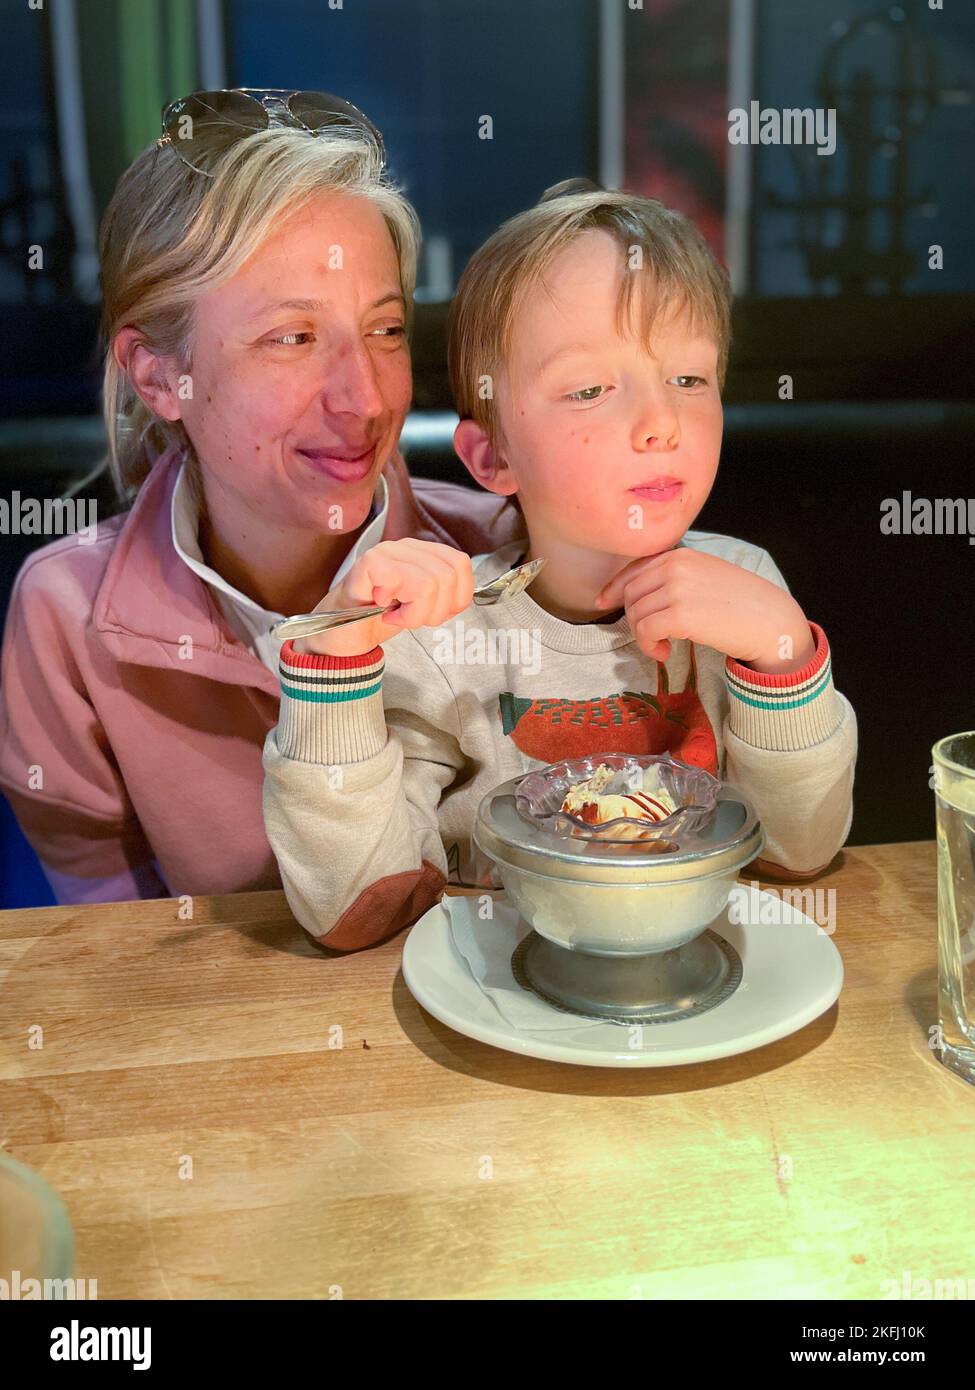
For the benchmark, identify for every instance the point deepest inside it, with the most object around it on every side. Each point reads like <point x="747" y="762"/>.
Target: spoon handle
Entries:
<point x="305" y="624"/>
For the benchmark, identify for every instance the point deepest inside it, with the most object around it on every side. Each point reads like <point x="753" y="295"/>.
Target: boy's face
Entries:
<point x="590" y="418"/>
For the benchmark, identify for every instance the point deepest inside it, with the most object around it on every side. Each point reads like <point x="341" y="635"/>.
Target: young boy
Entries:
<point x="588" y="345"/>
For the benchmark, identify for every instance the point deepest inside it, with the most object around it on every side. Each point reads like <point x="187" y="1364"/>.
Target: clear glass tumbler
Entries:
<point x="954" y="788"/>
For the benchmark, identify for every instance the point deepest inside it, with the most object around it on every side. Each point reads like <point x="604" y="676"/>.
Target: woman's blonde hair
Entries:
<point x="170" y="235"/>
<point x="675" y="267"/>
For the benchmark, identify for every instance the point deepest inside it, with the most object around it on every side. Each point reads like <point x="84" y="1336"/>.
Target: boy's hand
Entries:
<point x="431" y="583"/>
<point x="685" y="593"/>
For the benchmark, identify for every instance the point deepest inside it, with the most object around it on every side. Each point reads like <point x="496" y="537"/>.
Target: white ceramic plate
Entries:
<point x="791" y="973"/>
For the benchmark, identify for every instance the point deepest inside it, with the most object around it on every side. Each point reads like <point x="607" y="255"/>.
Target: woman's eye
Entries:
<point x="688" y="381"/>
<point x="585" y="394"/>
<point x="286" y="336"/>
<point x="393" y="330"/>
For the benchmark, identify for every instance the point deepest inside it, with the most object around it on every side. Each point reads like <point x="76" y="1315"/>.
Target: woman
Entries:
<point x="257" y="277"/>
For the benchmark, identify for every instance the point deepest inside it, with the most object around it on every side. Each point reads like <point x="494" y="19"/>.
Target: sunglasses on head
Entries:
<point x="203" y="125"/>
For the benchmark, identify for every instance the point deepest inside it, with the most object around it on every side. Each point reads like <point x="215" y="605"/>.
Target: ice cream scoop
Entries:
<point x="591" y="803"/>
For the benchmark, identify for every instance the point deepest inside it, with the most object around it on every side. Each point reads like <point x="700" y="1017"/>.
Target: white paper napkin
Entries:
<point x="486" y="946"/>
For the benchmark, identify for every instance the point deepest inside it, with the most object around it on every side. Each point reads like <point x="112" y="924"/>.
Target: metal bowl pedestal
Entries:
<point x="658" y="987"/>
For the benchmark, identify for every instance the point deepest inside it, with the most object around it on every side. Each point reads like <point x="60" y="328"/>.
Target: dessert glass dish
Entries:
<point x="620" y="927"/>
<point x="539" y="797"/>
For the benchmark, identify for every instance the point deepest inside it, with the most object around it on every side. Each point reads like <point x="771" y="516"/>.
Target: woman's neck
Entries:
<point x="291" y="575"/>
<point x="282" y="569"/>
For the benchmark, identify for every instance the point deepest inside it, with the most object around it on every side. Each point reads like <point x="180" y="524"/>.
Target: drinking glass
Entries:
<point x="36" y="1240"/>
<point x="954" y="788"/>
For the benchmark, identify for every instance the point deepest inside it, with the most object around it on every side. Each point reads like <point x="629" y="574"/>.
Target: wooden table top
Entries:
<point x="209" y="1142"/>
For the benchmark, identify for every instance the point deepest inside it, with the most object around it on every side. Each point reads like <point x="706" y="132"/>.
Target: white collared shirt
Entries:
<point x="252" y="623"/>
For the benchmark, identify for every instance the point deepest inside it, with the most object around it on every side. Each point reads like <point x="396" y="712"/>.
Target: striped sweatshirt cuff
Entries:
<point x="331" y="706"/>
<point x="785" y="713"/>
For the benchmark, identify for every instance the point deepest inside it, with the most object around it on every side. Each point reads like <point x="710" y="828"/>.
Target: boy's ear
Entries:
<point x="483" y="462"/>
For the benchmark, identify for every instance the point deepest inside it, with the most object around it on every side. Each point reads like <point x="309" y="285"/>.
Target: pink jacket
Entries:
<point x="133" y="771"/>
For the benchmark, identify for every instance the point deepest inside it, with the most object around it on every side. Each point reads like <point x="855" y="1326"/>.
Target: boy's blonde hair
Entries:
<point x="679" y="268"/>
<point x="170" y="234"/>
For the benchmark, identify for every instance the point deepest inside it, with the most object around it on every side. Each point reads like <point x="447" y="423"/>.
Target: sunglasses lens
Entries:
<point x="205" y="124"/>
<point x="318" y="109"/>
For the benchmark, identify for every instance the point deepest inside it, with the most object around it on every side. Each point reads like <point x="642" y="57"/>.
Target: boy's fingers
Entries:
<point x="650" y="619"/>
<point x="449" y="574"/>
<point x="463" y="584"/>
<point x="426" y="589"/>
<point x="457" y="570"/>
<point x="611" y="594"/>
<point x="439" y="604"/>
<point x="404" y="579"/>
<point x="641" y="588"/>
<point x="454" y="574"/>
<point x="429" y="581"/>
<point x="658" y="651"/>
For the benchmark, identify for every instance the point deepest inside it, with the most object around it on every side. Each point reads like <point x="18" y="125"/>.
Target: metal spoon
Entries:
<point x="304" y="624"/>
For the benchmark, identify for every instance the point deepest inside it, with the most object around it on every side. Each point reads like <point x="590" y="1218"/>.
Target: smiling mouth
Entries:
<point x="341" y="455"/>
<point x="341" y="467"/>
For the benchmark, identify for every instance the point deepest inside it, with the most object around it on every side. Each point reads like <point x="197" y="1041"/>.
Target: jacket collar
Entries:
<point x="151" y="609"/>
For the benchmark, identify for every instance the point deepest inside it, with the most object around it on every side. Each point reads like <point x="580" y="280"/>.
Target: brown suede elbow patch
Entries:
<point x="384" y="908"/>
<point x="778" y="874"/>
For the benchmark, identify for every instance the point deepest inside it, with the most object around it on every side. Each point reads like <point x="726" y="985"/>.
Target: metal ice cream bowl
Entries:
<point x="623" y="901"/>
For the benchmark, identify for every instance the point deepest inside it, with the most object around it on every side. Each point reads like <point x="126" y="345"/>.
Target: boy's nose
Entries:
<point x="657" y="427"/>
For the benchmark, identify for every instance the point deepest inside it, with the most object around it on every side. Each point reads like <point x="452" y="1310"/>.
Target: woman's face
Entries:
<point x="295" y="408"/>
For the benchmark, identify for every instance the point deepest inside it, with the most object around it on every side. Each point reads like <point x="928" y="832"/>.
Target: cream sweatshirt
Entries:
<point x="375" y="769"/>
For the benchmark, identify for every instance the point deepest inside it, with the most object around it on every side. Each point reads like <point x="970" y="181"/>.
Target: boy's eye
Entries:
<point x="585" y="394"/>
<point x="688" y="381"/>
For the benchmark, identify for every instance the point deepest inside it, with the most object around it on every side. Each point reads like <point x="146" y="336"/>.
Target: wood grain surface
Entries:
<point x="210" y="1140"/>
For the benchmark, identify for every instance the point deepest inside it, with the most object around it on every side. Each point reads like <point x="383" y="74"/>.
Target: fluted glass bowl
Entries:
<point x="694" y="791"/>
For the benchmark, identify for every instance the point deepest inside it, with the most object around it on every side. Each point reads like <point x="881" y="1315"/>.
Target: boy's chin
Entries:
<point x="651" y="540"/>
